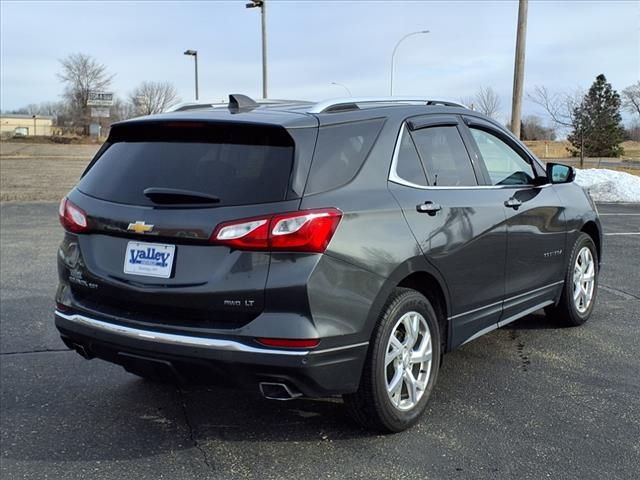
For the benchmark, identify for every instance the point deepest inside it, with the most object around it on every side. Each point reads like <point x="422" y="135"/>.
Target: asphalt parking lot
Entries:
<point x="528" y="401"/>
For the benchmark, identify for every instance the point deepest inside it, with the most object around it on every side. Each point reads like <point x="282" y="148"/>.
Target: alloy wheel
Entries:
<point x="408" y="361"/>
<point x="584" y="275"/>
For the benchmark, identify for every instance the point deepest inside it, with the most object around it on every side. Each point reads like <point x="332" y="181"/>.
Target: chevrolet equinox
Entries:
<point x="301" y="249"/>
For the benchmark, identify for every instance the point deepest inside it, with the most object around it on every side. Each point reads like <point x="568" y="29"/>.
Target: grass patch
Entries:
<point x="631" y="150"/>
<point x="560" y="149"/>
<point x="56" y="139"/>
<point x="38" y="179"/>
<point x="543" y="149"/>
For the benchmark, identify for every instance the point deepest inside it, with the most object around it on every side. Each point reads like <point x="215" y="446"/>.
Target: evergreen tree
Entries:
<point x="597" y="125"/>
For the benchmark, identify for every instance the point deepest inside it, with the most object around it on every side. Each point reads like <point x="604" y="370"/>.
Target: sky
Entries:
<point x="314" y="43"/>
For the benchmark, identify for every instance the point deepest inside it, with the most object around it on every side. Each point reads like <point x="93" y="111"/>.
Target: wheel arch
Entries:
<point x="593" y="230"/>
<point x="417" y="274"/>
<point x="428" y="285"/>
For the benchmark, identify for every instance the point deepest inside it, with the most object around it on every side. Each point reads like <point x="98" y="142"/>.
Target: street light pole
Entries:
<point x="263" y="14"/>
<point x="394" y="54"/>
<point x="194" y="54"/>
<point x="343" y="86"/>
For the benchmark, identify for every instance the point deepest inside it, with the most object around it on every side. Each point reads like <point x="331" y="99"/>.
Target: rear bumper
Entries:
<point x="313" y="373"/>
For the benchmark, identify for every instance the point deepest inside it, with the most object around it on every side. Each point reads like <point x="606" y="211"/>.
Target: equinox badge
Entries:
<point x="139" y="227"/>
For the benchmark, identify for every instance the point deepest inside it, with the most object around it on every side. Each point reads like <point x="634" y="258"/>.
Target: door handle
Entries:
<point x="513" y="203"/>
<point x="429" y="208"/>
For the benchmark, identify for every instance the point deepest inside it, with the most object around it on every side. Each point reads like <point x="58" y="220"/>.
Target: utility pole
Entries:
<point x="518" y="70"/>
<point x="263" y="13"/>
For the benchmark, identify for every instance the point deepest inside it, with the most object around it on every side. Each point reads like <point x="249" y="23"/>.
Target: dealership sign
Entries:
<point x="100" y="99"/>
<point x="102" y="112"/>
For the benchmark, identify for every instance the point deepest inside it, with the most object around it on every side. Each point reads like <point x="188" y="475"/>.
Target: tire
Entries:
<point x="571" y="311"/>
<point x="372" y="405"/>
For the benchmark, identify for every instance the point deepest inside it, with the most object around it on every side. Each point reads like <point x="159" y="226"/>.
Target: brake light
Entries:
<point x="61" y="307"/>
<point x="307" y="231"/>
<point x="302" y="231"/>
<point x="288" y="343"/>
<point x="72" y="217"/>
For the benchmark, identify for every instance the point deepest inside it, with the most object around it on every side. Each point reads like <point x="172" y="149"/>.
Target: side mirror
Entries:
<point x="558" y="173"/>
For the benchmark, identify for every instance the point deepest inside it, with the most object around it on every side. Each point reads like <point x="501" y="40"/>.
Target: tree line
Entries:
<point x="592" y="119"/>
<point x="81" y="74"/>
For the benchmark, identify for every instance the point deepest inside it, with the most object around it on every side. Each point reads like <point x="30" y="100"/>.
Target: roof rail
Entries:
<point x="261" y="102"/>
<point x="341" y="104"/>
<point x="181" y="107"/>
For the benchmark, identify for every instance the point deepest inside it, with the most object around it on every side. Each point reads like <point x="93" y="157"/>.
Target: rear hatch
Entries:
<point x="153" y="197"/>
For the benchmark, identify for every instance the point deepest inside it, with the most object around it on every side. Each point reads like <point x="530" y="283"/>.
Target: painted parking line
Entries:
<point x="623" y="233"/>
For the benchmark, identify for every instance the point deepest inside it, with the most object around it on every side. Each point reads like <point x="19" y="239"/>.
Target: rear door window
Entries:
<point x="444" y="156"/>
<point x="239" y="166"/>
<point x="409" y="167"/>
<point x="340" y="152"/>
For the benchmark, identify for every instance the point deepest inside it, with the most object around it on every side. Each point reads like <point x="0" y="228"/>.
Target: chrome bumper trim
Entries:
<point x="186" y="340"/>
<point x="337" y="349"/>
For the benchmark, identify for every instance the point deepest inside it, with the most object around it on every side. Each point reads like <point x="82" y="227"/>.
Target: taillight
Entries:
<point x="61" y="307"/>
<point x="302" y="231"/>
<point x="72" y="217"/>
<point x="249" y="234"/>
<point x="288" y="343"/>
<point x="309" y="231"/>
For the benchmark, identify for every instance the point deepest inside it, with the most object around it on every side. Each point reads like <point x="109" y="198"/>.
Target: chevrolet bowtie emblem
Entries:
<point x="139" y="227"/>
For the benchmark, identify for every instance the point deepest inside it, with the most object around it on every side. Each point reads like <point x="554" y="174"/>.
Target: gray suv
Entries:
<point x="338" y="248"/>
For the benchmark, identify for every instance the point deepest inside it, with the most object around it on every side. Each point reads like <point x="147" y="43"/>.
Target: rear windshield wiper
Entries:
<point x="173" y="196"/>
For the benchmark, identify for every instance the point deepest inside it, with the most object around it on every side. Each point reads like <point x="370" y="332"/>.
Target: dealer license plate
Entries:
<point x="149" y="259"/>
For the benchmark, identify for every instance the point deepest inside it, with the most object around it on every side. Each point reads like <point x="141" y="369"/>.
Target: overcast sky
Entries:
<point x="314" y="43"/>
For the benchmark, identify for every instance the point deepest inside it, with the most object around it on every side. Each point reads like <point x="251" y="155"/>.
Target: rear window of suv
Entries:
<point x="238" y="164"/>
<point x="340" y="152"/>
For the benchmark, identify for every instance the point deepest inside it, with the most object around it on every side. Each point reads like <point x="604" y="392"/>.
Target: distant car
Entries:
<point x="312" y="250"/>
<point x="20" y="132"/>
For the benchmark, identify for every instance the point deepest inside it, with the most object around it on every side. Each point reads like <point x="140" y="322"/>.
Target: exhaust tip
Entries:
<point x="278" y="391"/>
<point x="80" y="349"/>
<point x="83" y="351"/>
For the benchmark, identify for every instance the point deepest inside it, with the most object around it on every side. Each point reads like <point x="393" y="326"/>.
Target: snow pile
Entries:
<point x="609" y="185"/>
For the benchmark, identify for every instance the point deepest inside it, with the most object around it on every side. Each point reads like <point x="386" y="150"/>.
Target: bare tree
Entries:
<point x="81" y="75"/>
<point x="52" y="109"/>
<point x="470" y="102"/>
<point x="633" y="131"/>
<point x="34" y="109"/>
<point x="561" y="107"/>
<point x="487" y="101"/>
<point x="17" y="111"/>
<point x="533" y="129"/>
<point x="122" y="110"/>
<point x="631" y="98"/>
<point x="153" y="97"/>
